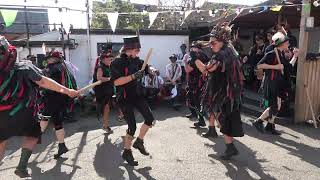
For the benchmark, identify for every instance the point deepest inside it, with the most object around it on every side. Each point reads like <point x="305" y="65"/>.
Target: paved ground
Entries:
<point x="178" y="152"/>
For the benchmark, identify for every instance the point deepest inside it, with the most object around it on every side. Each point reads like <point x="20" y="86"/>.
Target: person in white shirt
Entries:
<point x="173" y="77"/>
<point x="182" y="59"/>
<point x="153" y="84"/>
<point x="173" y="71"/>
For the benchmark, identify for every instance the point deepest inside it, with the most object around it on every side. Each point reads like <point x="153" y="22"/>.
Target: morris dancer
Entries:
<point x="126" y="75"/>
<point x="18" y="110"/>
<point x="195" y="82"/>
<point x="104" y="91"/>
<point x="222" y="95"/>
<point x="273" y="83"/>
<point x="55" y="104"/>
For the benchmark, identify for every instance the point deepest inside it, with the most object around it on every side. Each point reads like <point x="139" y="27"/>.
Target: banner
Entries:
<point x="9" y="16"/>
<point x="113" y="20"/>
<point x="187" y="13"/>
<point x="152" y="17"/>
<point x="276" y="8"/>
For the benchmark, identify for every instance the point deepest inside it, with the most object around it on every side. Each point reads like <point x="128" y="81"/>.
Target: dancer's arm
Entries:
<point x="100" y="76"/>
<point x="50" y="84"/>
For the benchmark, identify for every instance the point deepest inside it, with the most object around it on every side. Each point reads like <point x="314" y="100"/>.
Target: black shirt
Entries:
<point x="106" y="88"/>
<point x="195" y="75"/>
<point x="271" y="59"/>
<point x="125" y="66"/>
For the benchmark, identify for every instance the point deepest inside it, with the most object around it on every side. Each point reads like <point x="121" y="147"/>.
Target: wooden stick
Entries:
<point x="311" y="108"/>
<point x="278" y="58"/>
<point x="82" y="90"/>
<point x="145" y="63"/>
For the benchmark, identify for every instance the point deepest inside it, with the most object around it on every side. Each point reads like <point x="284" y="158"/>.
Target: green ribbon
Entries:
<point x="16" y="109"/>
<point x="15" y="90"/>
<point x="6" y="82"/>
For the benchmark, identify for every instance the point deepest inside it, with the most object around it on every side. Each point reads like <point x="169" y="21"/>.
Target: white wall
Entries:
<point x="24" y="52"/>
<point x="163" y="46"/>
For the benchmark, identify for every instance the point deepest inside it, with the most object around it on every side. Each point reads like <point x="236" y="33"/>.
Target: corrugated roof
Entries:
<point x="19" y="26"/>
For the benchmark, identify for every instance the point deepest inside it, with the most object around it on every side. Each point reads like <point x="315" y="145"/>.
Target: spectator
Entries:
<point x="153" y="84"/>
<point x="173" y="77"/>
<point x="181" y="60"/>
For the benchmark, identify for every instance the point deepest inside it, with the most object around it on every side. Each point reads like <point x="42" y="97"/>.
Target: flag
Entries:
<point x="152" y="17"/>
<point x="9" y="16"/>
<point x="276" y="8"/>
<point x="113" y="20"/>
<point x="187" y="13"/>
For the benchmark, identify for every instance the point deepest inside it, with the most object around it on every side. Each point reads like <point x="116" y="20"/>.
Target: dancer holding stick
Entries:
<point x="126" y="72"/>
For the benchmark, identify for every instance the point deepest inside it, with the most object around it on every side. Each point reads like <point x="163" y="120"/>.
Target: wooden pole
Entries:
<point x="300" y="100"/>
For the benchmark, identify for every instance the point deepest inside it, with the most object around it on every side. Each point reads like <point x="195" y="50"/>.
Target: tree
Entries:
<point x="130" y="21"/>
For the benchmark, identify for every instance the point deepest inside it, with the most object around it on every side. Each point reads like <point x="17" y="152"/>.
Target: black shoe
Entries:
<point x="22" y="173"/>
<point x="138" y="144"/>
<point x="230" y="151"/>
<point x="259" y="125"/>
<point x="191" y="115"/>
<point x="271" y="128"/>
<point x="268" y="127"/>
<point x="108" y="130"/>
<point x="127" y="156"/>
<point x="62" y="149"/>
<point x="211" y="133"/>
<point x="200" y="124"/>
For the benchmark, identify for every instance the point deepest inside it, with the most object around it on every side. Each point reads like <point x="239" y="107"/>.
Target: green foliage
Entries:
<point x="130" y="21"/>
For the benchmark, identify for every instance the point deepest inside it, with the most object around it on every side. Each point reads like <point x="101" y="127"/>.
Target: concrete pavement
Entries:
<point x="177" y="152"/>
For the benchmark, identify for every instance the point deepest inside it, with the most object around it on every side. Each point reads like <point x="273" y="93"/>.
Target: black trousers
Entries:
<point x="127" y="107"/>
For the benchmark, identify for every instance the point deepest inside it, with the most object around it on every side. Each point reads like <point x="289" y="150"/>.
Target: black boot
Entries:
<point x="268" y="127"/>
<point x="271" y="128"/>
<point x="211" y="133"/>
<point x="62" y="149"/>
<point x="259" y="125"/>
<point x="200" y="123"/>
<point x="21" y="169"/>
<point x="230" y="151"/>
<point x="138" y="144"/>
<point x="127" y="156"/>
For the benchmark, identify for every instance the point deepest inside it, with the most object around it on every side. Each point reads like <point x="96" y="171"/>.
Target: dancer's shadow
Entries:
<point x="57" y="171"/>
<point x="109" y="164"/>
<point x="296" y="148"/>
<point x="107" y="161"/>
<point x="243" y="166"/>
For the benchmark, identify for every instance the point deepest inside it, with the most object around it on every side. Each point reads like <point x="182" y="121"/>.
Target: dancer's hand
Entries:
<point x="138" y="75"/>
<point x="296" y="52"/>
<point x="72" y="93"/>
<point x="279" y="66"/>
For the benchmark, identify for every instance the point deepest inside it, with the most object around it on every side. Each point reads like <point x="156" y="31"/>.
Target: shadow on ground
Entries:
<point x="109" y="164"/>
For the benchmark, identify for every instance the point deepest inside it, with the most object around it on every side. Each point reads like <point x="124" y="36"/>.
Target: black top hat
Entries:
<point x="131" y="42"/>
